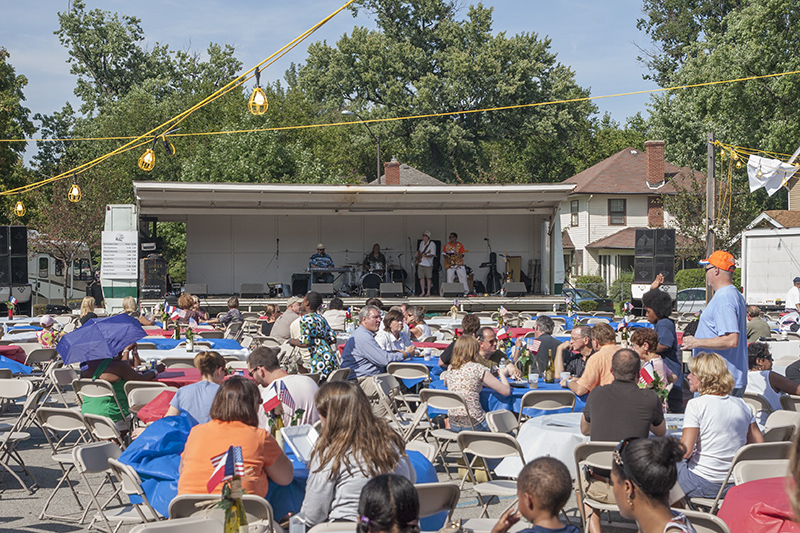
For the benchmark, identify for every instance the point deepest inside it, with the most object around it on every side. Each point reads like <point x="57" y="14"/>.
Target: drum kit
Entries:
<point x="362" y="277"/>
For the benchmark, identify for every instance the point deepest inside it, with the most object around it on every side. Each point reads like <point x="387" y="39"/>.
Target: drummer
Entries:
<point x="375" y="261"/>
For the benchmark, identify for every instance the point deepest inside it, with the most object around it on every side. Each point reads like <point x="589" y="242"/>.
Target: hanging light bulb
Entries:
<point x="19" y="209"/>
<point x="735" y="156"/>
<point x="738" y="164"/>
<point x="722" y="154"/>
<point x="74" y="194"/>
<point x="257" y="104"/>
<point x="148" y="159"/>
<point x="759" y="173"/>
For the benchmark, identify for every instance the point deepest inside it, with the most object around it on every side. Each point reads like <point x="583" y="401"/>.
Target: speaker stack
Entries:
<point x="153" y="277"/>
<point x="654" y="254"/>
<point x="13" y="255"/>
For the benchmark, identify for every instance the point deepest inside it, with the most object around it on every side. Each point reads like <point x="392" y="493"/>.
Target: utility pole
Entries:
<point x="711" y="205"/>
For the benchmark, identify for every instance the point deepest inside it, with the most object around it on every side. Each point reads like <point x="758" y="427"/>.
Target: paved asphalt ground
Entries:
<point x="19" y="511"/>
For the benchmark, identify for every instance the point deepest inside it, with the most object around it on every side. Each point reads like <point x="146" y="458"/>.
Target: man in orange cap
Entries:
<point x="723" y="324"/>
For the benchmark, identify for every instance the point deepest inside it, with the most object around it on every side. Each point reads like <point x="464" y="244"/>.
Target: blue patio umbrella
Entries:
<point x="100" y="338"/>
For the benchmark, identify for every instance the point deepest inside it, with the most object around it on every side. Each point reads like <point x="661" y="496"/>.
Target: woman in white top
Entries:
<point x="391" y="337"/>
<point x="760" y="362"/>
<point x="418" y="329"/>
<point x="715" y="426"/>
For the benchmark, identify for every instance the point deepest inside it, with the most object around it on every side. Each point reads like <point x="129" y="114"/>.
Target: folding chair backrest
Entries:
<point x="41" y="356"/>
<point x="502" y="421"/>
<point x="598" y="454"/>
<point x="437" y="497"/>
<point x="6" y="373"/>
<point x="60" y="419"/>
<point x="146" y="346"/>
<point x="758" y="404"/>
<point x="131" y="482"/>
<point x="11" y="389"/>
<point x="102" y="427"/>
<point x="489" y="445"/>
<point x="779" y="433"/>
<point x="210" y="334"/>
<point x="131" y="385"/>
<point x="238" y="365"/>
<point x="233" y="331"/>
<point x="340" y="374"/>
<point x="546" y="400"/>
<point x="705" y="522"/>
<point x="790" y="402"/>
<point x="146" y="395"/>
<point x="198" y="524"/>
<point x="177" y="362"/>
<point x="745" y="471"/>
<point x="782" y="417"/>
<point x="425" y="448"/>
<point x="93" y="458"/>
<point x="442" y="399"/>
<point x="64" y="376"/>
<point x="408" y="370"/>
<point x="183" y="506"/>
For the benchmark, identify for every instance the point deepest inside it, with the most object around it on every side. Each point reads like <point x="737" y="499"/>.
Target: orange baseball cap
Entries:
<point x="721" y="260"/>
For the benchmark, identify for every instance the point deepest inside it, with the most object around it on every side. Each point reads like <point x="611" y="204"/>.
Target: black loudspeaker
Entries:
<point x="153" y="277"/>
<point x="325" y="289"/>
<point x="18" y="240"/>
<point x="665" y="242"/>
<point x="4" y="243"/>
<point x="19" y="270"/>
<point x="451" y="290"/>
<point x="300" y="282"/>
<point x="370" y="293"/>
<point x="665" y="265"/>
<point x="643" y="269"/>
<point x="514" y="288"/>
<point x="645" y="243"/>
<point x="5" y="270"/>
<point x="391" y="289"/>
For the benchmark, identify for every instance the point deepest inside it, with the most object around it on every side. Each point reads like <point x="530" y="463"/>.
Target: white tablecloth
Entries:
<point x="22" y="336"/>
<point x="447" y="322"/>
<point x="557" y="436"/>
<point x="147" y="355"/>
<point x="788" y="348"/>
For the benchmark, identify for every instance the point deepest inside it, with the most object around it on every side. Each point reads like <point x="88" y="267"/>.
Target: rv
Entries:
<point x="46" y="276"/>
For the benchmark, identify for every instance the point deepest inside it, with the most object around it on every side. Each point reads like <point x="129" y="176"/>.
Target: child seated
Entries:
<point x="543" y="488"/>
<point x="388" y="504"/>
<point x="47" y="337"/>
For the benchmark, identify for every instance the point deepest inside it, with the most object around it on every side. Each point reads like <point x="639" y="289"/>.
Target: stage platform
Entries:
<point x="433" y="304"/>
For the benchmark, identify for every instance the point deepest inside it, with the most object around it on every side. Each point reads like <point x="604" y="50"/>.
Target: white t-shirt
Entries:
<point x="792" y="299"/>
<point x="723" y="422"/>
<point x="387" y="341"/>
<point x="335" y="318"/>
<point x="431" y="249"/>
<point x="758" y="383"/>
<point x="302" y="390"/>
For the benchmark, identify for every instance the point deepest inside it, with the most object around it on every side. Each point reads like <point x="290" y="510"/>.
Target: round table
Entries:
<point x="180" y="377"/>
<point x="15" y="353"/>
<point x="760" y="506"/>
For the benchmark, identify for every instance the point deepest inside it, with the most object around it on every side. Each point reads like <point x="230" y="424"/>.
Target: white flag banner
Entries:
<point x="774" y="173"/>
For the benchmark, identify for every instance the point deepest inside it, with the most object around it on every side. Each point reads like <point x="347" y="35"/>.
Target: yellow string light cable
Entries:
<point x="168" y="125"/>
<point x="250" y="73"/>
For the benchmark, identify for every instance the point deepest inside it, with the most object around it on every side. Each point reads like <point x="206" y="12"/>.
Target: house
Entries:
<point x="610" y="201"/>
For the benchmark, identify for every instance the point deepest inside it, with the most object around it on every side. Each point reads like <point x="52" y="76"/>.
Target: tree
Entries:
<point x="757" y="39"/>
<point x="423" y="60"/>
<point x="14" y="124"/>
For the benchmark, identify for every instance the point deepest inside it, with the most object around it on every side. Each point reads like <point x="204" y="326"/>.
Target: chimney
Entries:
<point x="392" y="172"/>
<point x="655" y="162"/>
<point x="655" y="212"/>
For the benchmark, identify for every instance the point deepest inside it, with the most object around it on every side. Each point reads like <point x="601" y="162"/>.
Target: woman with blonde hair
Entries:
<point x="87" y="310"/>
<point x="467" y="376"/>
<point x="196" y="399"/>
<point x="186" y="304"/>
<point x="715" y="426"/>
<point x="353" y="447"/>
<point x="129" y="307"/>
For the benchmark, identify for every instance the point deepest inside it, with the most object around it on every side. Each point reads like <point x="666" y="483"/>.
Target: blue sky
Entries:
<point x="597" y="39"/>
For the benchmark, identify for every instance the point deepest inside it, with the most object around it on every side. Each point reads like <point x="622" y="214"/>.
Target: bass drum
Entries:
<point x="370" y="280"/>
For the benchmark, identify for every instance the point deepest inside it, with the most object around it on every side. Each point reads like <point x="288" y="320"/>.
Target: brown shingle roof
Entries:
<point x="566" y="240"/>
<point x="784" y="217"/>
<point x="626" y="173"/>
<point x="411" y="176"/>
<point x="623" y="239"/>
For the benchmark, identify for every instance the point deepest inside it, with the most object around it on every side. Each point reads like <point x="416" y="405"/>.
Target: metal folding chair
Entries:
<point x="444" y="400"/>
<point x="546" y="400"/>
<point x="93" y="458"/>
<point x="483" y="446"/>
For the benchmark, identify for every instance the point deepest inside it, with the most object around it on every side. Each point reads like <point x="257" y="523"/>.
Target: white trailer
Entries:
<point x="770" y="260"/>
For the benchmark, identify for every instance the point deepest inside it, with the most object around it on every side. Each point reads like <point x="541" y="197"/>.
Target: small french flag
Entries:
<point x="13" y="300"/>
<point x="226" y="465"/>
<point x="273" y="400"/>
<point x="503" y="311"/>
<point x="502" y="333"/>
<point x="648" y="373"/>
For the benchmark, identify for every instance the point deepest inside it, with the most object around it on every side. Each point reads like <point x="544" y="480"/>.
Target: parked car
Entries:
<point x="579" y="295"/>
<point x="691" y="300"/>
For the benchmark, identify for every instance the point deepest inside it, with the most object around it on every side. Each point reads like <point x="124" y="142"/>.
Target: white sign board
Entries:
<point x="120" y="258"/>
<point x="638" y="289"/>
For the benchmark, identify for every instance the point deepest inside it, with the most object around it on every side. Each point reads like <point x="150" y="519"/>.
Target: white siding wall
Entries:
<point x="226" y="251"/>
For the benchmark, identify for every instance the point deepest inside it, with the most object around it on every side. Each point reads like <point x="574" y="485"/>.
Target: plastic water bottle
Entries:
<point x="296" y="525"/>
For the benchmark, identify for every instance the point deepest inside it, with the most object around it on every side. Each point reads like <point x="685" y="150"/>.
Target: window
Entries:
<point x="573" y="211"/>
<point x="81" y="270"/>
<point x="59" y="268"/>
<point x="44" y="267"/>
<point x="616" y="212"/>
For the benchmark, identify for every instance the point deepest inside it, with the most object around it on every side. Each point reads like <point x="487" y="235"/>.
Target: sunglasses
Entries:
<point x="709" y="268"/>
<point x="620" y="462"/>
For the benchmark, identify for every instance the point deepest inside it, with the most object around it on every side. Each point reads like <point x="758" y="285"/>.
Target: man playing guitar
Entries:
<point x="453" y="255"/>
<point x="424" y="261"/>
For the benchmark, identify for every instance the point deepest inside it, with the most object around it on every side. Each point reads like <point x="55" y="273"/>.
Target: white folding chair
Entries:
<point x="340" y="374"/>
<point x="416" y="371"/>
<point x="211" y="334"/>
<point x="597" y="455"/>
<point x="177" y="362"/>
<point x="103" y="428"/>
<point x="745" y="471"/>
<point x="546" y="400"/>
<point x="790" y="402"/>
<point x="10" y="391"/>
<point x="435" y="498"/>
<point x="408" y="425"/>
<point x="705" y="522"/>
<point x="758" y="404"/>
<point x="93" y="458"/>
<point x="502" y="421"/>
<point x="257" y="509"/>
<point x="195" y="524"/>
<point x="483" y="446"/>
<point x="100" y="388"/>
<point x="425" y="448"/>
<point x="131" y="386"/>
<point x="60" y="378"/>
<point x="130" y="484"/>
<point x="767" y="451"/>
<point x="444" y="400"/>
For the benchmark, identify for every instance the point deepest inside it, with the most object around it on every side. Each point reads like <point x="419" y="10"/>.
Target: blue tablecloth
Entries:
<point x="216" y="344"/>
<point x="15" y="367"/>
<point x="18" y="329"/>
<point x="156" y="457"/>
<point x="493" y="401"/>
<point x="433" y="368"/>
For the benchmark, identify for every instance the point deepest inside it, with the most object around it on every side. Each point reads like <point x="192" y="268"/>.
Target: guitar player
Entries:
<point x="424" y="260"/>
<point x="453" y="254"/>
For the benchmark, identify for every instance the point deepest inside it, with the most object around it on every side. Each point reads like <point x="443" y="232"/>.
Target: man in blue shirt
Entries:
<point x="365" y="358"/>
<point x="321" y="260"/>
<point x="723" y="324"/>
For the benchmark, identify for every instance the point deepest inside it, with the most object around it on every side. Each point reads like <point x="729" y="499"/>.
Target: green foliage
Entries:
<point x="587" y="306"/>
<point x="690" y="277"/>
<point x="596" y="284"/>
<point x="621" y="288"/>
